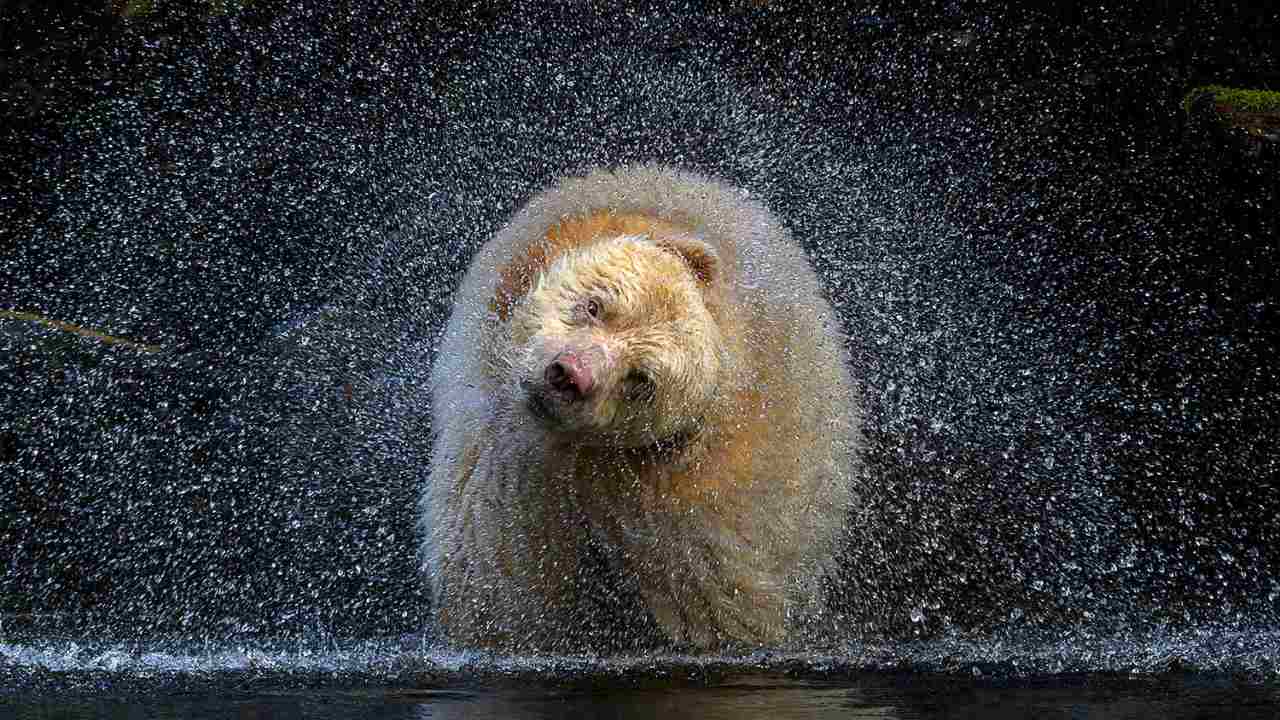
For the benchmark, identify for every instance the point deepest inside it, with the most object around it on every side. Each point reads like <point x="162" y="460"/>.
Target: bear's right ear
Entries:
<point x="698" y="255"/>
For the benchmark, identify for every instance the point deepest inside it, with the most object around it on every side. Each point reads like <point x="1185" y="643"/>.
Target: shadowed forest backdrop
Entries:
<point x="1060" y="289"/>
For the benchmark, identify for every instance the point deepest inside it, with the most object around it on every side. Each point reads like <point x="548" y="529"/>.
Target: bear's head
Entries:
<point x="615" y="343"/>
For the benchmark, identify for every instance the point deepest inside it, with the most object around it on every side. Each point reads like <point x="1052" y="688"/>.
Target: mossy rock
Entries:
<point x="1240" y="98"/>
<point x="1250" y="110"/>
<point x="144" y="8"/>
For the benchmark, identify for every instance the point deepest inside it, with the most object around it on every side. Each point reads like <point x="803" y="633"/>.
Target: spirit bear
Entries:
<point x="646" y="428"/>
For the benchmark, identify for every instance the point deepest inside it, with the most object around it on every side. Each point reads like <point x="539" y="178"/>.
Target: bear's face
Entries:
<point x="614" y="344"/>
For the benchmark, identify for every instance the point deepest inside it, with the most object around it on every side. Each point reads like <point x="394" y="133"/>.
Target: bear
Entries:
<point x="646" y="429"/>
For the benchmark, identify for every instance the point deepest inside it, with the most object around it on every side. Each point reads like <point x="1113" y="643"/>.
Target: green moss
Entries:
<point x="1238" y="98"/>
<point x="137" y="8"/>
<point x="143" y="8"/>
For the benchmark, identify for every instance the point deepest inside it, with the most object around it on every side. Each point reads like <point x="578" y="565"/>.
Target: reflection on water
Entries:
<point x="868" y="695"/>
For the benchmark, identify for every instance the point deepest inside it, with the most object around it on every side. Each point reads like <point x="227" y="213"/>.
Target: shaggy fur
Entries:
<point x="695" y="495"/>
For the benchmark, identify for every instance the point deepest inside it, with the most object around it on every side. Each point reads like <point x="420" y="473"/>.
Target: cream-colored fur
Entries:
<point x="716" y="493"/>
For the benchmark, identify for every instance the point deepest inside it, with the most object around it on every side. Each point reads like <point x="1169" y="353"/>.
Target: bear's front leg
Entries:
<point x="710" y="587"/>
<point x="504" y="576"/>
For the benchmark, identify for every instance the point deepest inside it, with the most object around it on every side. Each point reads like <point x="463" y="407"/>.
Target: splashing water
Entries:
<point x="1062" y="314"/>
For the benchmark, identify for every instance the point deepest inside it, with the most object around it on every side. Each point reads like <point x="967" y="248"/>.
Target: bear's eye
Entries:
<point x="593" y="309"/>
<point x="639" y="386"/>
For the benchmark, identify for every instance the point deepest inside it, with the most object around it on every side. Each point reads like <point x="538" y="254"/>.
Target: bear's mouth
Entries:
<point x="538" y="403"/>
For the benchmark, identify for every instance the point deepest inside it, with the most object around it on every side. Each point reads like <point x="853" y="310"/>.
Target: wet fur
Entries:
<point x="717" y="505"/>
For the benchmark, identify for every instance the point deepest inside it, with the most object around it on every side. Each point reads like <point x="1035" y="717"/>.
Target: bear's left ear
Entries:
<point x="698" y="255"/>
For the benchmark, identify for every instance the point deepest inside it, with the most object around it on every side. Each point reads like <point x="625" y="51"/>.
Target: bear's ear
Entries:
<point x="698" y="255"/>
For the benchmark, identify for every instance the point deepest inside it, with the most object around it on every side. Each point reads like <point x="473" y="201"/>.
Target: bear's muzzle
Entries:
<point x="569" y="375"/>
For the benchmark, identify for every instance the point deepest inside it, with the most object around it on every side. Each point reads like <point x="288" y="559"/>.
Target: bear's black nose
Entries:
<point x="569" y="376"/>
<point x="558" y="377"/>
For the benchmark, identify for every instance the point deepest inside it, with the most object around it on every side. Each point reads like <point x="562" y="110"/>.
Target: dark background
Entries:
<point x="1060" y="289"/>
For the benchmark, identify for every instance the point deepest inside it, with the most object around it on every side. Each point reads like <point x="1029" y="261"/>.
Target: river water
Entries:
<point x="1174" y="677"/>
<point x="749" y="697"/>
